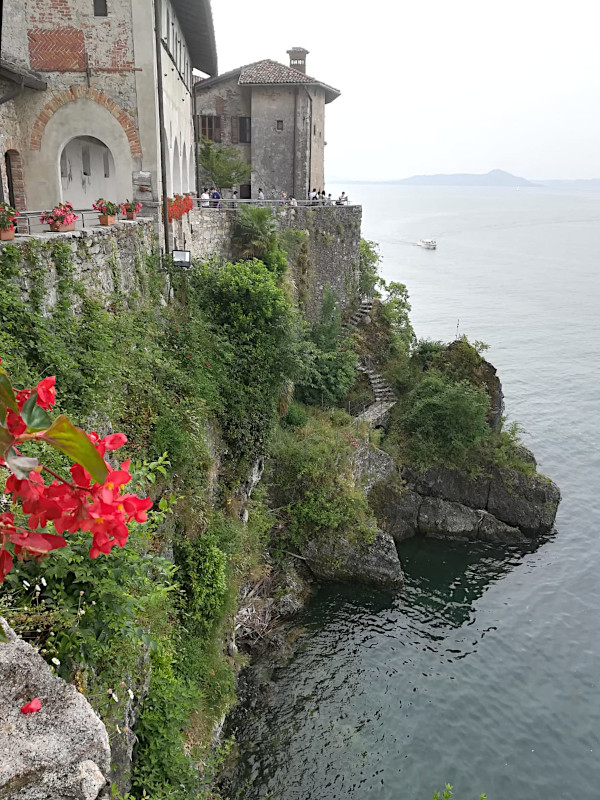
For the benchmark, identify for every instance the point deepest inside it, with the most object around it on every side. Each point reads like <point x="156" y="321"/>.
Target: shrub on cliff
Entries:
<point x="328" y="362"/>
<point x="312" y="483"/>
<point x="444" y="419"/>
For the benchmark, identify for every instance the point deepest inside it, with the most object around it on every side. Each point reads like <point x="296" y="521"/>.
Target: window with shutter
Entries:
<point x="211" y="127"/>
<point x="234" y="130"/>
<point x="245" y="130"/>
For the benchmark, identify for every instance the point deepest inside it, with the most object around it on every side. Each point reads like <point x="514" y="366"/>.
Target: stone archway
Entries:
<point x="87" y="172"/>
<point x="176" y="169"/>
<point x="80" y="93"/>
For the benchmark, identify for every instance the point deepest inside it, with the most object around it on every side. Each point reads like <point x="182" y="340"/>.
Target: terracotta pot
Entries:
<point x="59" y="227"/>
<point x="131" y="214"/>
<point x="107" y="219"/>
<point x="7" y="234"/>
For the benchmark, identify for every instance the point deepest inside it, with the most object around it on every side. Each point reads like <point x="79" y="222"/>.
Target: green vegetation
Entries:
<point x="368" y="263"/>
<point x="312" y="484"/>
<point x="222" y="164"/>
<point x="448" y="794"/>
<point x="161" y="373"/>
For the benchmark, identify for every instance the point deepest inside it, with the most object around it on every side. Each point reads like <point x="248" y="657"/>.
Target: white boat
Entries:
<point x="428" y="244"/>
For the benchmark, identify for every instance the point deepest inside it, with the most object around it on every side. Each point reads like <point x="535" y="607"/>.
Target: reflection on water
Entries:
<point x="486" y="672"/>
<point x="353" y="706"/>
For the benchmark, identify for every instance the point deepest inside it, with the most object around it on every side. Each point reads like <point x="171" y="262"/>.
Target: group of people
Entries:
<point x="211" y="199"/>
<point x="319" y="198"/>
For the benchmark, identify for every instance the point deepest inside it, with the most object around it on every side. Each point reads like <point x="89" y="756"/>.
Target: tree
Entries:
<point x="224" y="165"/>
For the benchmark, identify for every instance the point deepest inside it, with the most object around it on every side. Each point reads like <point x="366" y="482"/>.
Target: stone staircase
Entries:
<point x="375" y="414"/>
<point x="365" y="308"/>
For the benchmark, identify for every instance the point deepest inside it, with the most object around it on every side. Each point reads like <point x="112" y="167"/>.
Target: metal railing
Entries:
<point x="232" y="204"/>
<point x="29" y="223"/>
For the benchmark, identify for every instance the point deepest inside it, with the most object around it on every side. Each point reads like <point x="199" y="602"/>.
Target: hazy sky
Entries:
<point x="438" y="85"/>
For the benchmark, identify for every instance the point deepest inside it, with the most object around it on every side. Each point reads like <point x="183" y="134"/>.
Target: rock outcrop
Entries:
<point x="61" y="752"/>
<point x="505" y="506"/>
<point x="376" y="563"/>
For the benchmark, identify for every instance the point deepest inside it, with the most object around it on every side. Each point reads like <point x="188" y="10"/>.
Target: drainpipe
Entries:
<point x="295" y="158"/>
<point x="161" y="120"/>
<point x="310" y="135"/>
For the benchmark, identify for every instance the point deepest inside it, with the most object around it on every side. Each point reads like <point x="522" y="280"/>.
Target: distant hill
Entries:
<point x="497" y="177"/>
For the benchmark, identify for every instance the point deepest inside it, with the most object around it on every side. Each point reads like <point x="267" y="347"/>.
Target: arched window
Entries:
<point x="87" y="172"/>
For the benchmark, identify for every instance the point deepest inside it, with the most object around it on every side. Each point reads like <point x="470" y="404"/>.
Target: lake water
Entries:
<point x="485" y="673"/>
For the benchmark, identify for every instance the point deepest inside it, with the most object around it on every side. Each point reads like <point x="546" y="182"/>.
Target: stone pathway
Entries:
<point x="385" y="396"/>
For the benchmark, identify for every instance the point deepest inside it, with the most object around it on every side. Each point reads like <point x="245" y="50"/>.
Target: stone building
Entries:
<point x="275" y="116"/>
<point x="79" y="98"/>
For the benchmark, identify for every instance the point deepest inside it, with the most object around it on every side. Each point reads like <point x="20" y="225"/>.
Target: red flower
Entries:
<point x="207" y="363"/>
<point x="46" y="393"/>
<point x="32" y="707"/>
<point x="6" y="564"/>
<point x="14" y="423"/>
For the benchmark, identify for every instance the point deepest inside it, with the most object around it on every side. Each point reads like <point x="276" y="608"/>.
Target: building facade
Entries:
<point x="275" y="117"/>
<point x="81" y="98"/>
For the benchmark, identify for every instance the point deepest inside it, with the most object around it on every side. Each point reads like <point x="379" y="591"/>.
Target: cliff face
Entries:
<point x="61" y="751"/>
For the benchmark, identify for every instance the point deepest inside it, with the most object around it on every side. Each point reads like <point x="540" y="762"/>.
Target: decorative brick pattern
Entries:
<point x="56" y="50"/>
<point x="78" y="92"/>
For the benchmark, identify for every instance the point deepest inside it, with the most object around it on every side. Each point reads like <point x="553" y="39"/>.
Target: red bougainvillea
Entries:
<point x="93" y="499"/>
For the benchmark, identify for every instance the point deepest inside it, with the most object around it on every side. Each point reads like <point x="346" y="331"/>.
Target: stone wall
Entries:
<point x="104" y="259"/>
<point x="325" y="253"/>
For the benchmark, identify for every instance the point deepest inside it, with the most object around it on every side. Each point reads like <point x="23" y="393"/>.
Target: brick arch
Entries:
<point x="83" y="92"/>
<point x="11" y="149"/>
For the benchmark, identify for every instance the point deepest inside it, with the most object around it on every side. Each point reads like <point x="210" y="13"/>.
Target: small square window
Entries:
<point x="100" y="8"/>
<point x="279" y="124"/>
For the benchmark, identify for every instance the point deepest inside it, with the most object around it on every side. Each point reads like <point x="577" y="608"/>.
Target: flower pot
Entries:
<point x="60" y="227"/>
<point x="7" y="234"/>
<point x="131" y="214"/>
<point x="107" y="219"/>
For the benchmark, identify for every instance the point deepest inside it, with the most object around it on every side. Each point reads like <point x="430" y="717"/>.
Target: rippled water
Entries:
<point x="486" y="671"/>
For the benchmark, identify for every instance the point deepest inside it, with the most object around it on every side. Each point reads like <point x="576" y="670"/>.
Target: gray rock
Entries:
<point x="449" y="484"/>
<point x="492" y="530"/>
<point x="59" y="753"/>
<point x="396" y="508"/>
<point x="372" y="465"/>
<point x="443" y="518"/>
<point x="527" y="502"/>
<point x="376" y="564"/>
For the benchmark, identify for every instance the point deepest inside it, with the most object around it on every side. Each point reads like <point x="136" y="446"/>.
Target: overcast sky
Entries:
<point x="438" y="85"/>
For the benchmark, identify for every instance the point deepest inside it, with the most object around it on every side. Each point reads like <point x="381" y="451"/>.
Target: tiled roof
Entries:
<point x="268" y="71"/>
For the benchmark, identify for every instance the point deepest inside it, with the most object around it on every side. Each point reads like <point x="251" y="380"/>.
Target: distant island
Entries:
<point x="497" y="177"/>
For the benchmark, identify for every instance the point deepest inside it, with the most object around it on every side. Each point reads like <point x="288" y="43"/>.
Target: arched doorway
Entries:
<point x="184" y="171"/>
<point x="176" y="169"/>
<point x="87" y="172"/>
<point x="14" y="179"/>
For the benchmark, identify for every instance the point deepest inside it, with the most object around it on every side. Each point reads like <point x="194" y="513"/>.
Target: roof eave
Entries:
<point x="28" y="79"/>
<point x="195" y="18"/>
<point x="331" y="94"/>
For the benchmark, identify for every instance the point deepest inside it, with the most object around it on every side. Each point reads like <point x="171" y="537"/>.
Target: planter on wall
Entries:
<point x="60" y="227"/>
<point x="107" y="219"/>
<point x="7" y="234"/>
<point x="131" y="214"/>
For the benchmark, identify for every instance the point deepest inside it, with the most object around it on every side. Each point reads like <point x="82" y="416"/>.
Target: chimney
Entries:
<point x="298" y="58"/>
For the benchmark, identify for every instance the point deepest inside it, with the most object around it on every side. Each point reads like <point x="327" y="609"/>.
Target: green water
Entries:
<point x="485" y="672"/>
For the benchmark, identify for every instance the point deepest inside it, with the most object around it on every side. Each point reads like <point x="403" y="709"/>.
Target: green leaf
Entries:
<point x="163" y="505"/>
<point x="7" y="395"/>
<point x="6" y="440"/>
<point x="74" y="443"/>
<point x="35" y="417"/>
